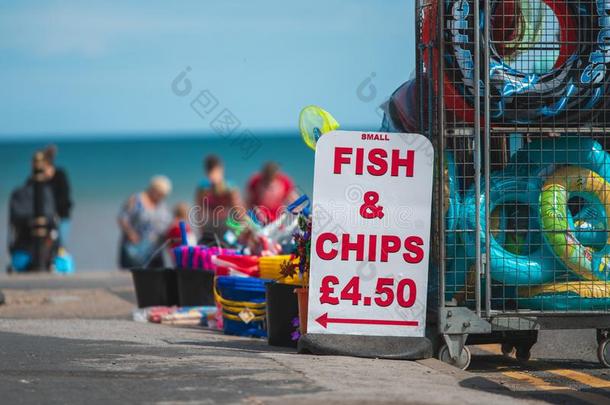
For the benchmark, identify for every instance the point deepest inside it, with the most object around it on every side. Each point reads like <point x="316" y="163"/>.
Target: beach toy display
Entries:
<point x="200" y="257"/>
<point x="590" y="226"/>
<point x="530" y="80"/>
<point x="402" y="111"/>
<point x="452" y="204"/>
<point x="569" y="181"/>
<point x="457" y="269"/>
<point x="242" y="302"/>
<point x="155" y="287"/>
<point x="195" y="287"/>
<point x="270" y="267"/>
<point x="539" y="157"/>
<point x="242" y="266"/>
<point x="314" y="122"/>
<point x="454" y="273"/>
<point x="533" y="264"/>
<point x="574" y="295"/>
<point x="460" y="286"/>
<point x="460" y="267"/>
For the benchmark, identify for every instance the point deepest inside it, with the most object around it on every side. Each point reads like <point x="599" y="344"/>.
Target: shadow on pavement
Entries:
<point x="252" y="346"/>
<point x="43" y="369"/>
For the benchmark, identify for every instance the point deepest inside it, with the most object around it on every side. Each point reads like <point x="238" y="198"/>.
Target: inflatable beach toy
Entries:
<point x="460" y="280"/>
<point x="531" y="80"/>
<point x="540" y="157"/>
<point x="315" y="122"/>
<point x="529" y="264"/>
<point x="569" y="181"/>
<point x="451" y="204"/>
<point x="457" y="269"/>
<point x="573" y="295"/>
<point x="402" y="111"/>
<point x="589" y="226"/>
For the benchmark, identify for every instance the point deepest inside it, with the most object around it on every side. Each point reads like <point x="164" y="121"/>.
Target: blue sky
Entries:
<point x="73" y="68"/>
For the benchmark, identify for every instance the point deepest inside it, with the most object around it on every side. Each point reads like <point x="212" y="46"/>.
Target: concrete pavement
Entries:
<point x="71" y="340"/>
<point x="101" y="361"/>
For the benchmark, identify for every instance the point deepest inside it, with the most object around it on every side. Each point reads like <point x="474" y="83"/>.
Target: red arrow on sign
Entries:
<point x="324" y="320"/>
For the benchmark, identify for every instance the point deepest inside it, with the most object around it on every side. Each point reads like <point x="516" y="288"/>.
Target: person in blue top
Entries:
<point x="144" y="220"/>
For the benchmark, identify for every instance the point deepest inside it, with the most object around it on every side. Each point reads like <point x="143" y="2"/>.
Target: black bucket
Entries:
<point x="195" y="287"/>
<point x="155" y="287"/>
<point x="282" y="308"/>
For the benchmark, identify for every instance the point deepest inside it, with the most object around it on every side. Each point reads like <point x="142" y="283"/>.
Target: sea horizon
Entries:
<point x="104" y="172"/>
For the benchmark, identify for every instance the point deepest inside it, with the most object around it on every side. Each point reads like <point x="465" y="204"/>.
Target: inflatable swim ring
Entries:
<point x="587" y="217"/>
<point x="509" y="225"/>
<point x="540" y="157"/>
<point x="574" y="295"/>
<point x="533" y="264"/>
<point x="531" y="81"/>
<point x="584" y="261"/>
<point x="460" y="279"/>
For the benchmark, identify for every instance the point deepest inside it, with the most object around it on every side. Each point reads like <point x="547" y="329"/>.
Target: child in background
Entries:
<point x="181" y="213"/>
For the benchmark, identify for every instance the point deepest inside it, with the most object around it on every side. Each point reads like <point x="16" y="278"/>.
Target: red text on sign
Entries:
<point x="386" y="292"/>
<point x="376" y="247"/>
<point x="377" y="161"/>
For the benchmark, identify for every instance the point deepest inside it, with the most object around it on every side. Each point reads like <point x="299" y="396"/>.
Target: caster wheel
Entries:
<point x="603" y="353"/>
<point x="507" y="349"/>
<point x="523" y="354"/>
<point x="462" y="361"/>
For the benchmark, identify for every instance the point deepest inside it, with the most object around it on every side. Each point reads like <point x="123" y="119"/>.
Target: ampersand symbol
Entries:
<point x="370" y="209"/>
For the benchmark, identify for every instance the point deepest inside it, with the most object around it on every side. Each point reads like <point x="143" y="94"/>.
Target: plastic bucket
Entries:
<point x="282" y="309"/>
<point x="195" y="287"/>
<point x="242" y="288"/>
<point x="241" y="291"/>
<point x="155" y="287"/>
<point x="238" y="328"/>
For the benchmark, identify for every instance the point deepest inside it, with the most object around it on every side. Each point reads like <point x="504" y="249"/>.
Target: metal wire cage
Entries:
<point x="515" y="95"/>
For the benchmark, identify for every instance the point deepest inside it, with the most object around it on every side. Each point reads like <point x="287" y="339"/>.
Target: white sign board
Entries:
<point x="370" y="234"/>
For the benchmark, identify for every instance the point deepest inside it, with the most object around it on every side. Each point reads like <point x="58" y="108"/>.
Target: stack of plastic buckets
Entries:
<point x="242" y="301"/>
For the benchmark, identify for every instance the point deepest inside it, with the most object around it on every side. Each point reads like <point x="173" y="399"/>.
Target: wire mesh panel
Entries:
<point x="522" y="91"/>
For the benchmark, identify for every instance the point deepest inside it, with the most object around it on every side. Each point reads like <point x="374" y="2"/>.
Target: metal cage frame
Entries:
<point x="485" y="143"/>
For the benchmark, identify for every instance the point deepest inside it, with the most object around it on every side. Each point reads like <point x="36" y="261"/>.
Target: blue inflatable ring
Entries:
<point x="508" y="268"/>
<point x="575" y="295"/>
<point x="460" y="279"/>
<point x="589" y="224"/>
<point x="542" y="156"/>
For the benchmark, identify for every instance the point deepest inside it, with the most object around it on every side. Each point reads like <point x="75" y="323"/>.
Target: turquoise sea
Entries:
<point x="104" y="172"/>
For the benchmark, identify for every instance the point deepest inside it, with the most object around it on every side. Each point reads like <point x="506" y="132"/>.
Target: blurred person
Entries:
<point x="144" y="220"/>
<point x="216" y="199"/>
<point x="174" y="234"/>
<point x="32" y="238"/>
<point x="269" y="192"/>
<point x="60" y="185"/>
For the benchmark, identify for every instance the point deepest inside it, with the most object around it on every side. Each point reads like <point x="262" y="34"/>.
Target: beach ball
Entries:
<point x="315" y="122"/>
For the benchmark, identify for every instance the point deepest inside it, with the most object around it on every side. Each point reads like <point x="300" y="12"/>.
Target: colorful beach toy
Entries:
<point x="314" y="122"/>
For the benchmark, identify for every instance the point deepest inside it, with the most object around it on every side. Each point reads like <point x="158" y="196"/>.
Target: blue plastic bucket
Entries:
<point x="242" y="289"/>
<point x="238" y="328"/>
